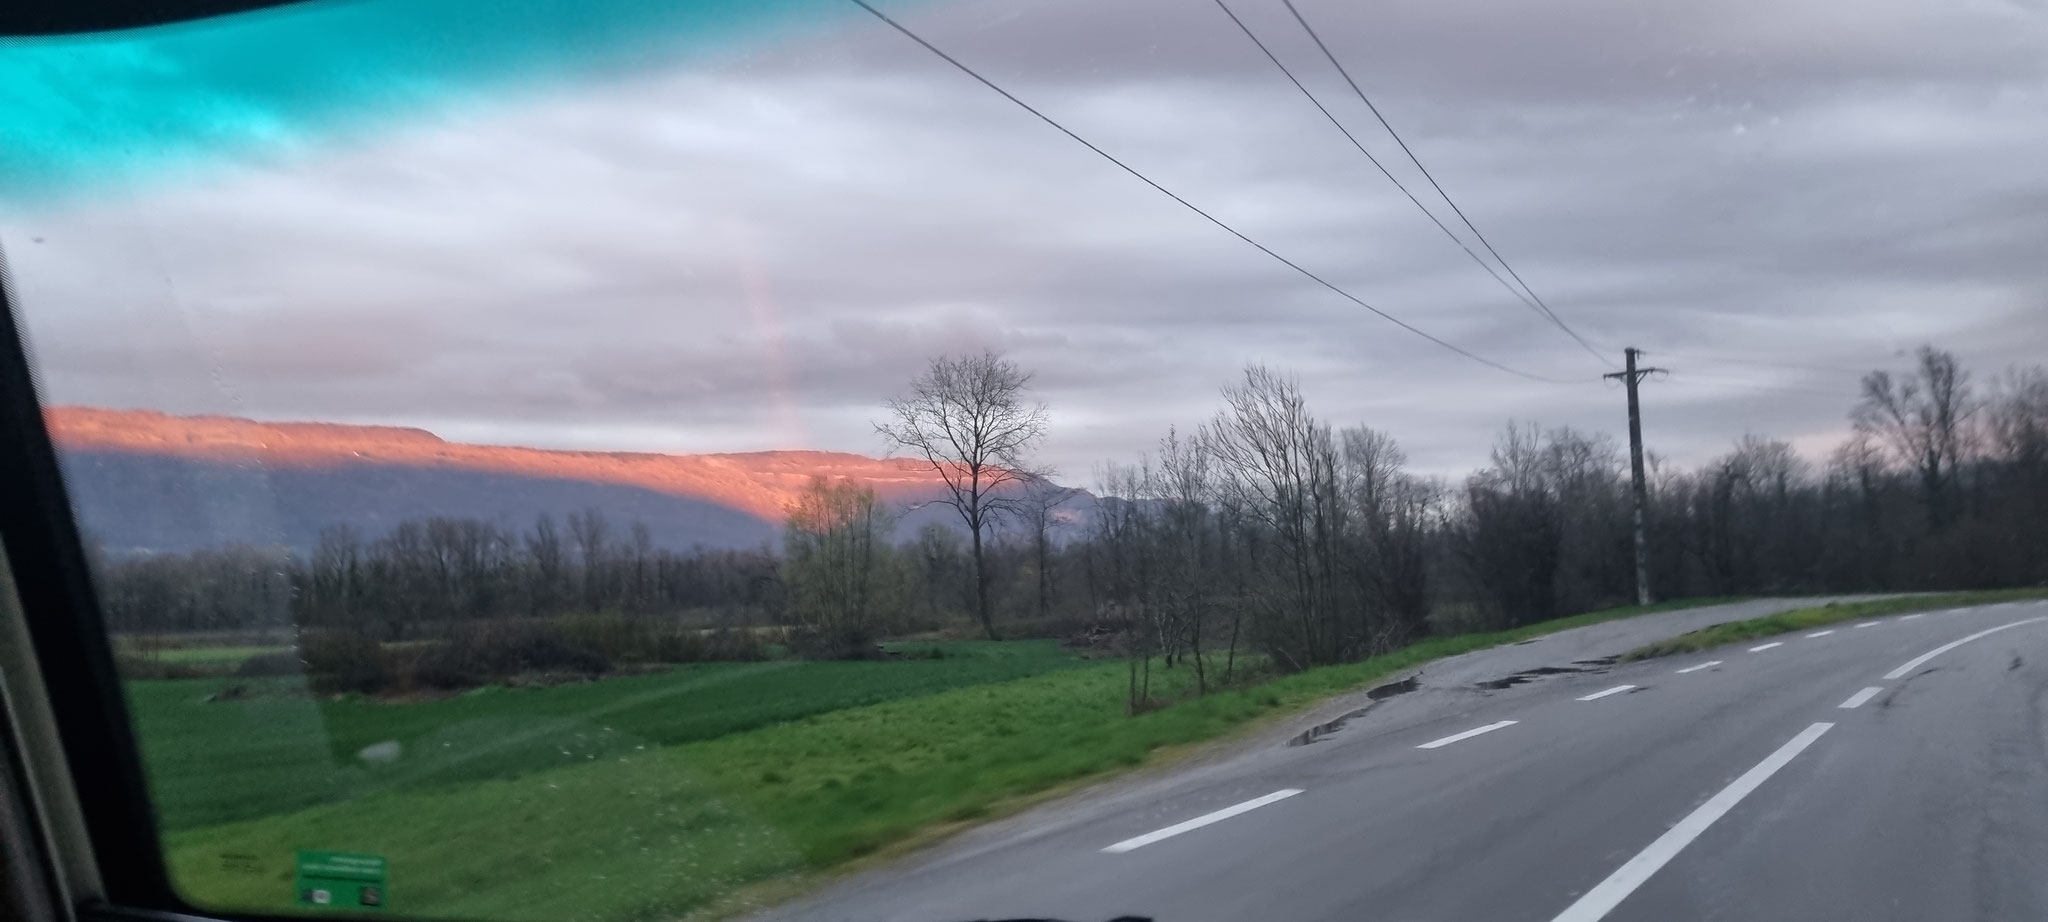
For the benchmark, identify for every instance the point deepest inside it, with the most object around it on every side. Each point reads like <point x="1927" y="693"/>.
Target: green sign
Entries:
<point x="342" y="880"/>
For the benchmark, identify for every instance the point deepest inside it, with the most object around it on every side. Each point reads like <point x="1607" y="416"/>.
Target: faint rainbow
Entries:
<point x="774" y="340"/>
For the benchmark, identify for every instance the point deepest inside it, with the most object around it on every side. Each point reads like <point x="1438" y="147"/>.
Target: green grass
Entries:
<point x="281" y="750"/>
<point x="627" y="839"/>
<point x="628" y="834"/>
<point x="1800" y="619"/>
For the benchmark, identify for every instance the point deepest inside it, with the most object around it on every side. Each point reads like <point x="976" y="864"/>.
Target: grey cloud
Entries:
<point x="757" y="255"/>
<point x="1608" y="50"/>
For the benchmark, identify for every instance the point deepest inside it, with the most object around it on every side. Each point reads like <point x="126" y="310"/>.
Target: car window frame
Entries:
<point x="69" y="642"/>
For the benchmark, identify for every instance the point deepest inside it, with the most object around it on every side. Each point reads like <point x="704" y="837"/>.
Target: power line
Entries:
<point x="984" y="81"/>
<point x="1540" y="310"/>
<point x="1554" y="318"/>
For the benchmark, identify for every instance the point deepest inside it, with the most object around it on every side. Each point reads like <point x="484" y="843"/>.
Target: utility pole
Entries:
<point x="1632" y="376"/>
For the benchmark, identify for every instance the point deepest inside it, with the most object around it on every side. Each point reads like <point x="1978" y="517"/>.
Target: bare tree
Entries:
<point x="640" y="550"/>
<point x="1922" y="416"/>
<point x="1041" y="497"/>
<point x="1182" y="489"/>
<point x="550" y="567"/>
<point x="935" y="554"/>
<point x="591" y="532"/>
<point x="1587" y="476"/>
<point x="967" y="418"/>
<point x="1277" y="464"/>
<point x="1511" y="535"/>
<point x="334" y="588"/>
<point x="2019" y="418"/>
<point x="403" y="575"/>
<point x="1390" y="511"/>
<point x="2018" y="488"/>
<point x="839" y="567"/>
<point x="1122" y="577"/>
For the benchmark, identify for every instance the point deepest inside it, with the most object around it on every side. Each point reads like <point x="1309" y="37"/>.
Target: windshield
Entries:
<point x="840" y="459"/>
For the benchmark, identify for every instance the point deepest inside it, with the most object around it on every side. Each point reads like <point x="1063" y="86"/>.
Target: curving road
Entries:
<point x="1887" y="769"/>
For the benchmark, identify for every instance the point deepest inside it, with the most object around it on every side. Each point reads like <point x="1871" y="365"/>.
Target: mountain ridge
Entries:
<point x="146" y="481"/>
<point x="759" y="482"/>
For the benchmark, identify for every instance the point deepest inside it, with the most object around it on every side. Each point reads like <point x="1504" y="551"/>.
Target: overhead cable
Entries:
<point x="1297" y="267"/>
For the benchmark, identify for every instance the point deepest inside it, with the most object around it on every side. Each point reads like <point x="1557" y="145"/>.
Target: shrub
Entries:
<point x="846" y="644"/>
<point x="491" y="651"/>
<point x="131" y="666"/>
<point x="1054" y="627"/>
<point x="479" y="653"/>
<point x="343" y="661"/>
<point x="610" y="634"/>
<point x="437" y="666"/>
<point x="737" y="645"/>
<point x="628" y="639"/>
<point x="623" y="639"/>
<point x="284" y="662"/>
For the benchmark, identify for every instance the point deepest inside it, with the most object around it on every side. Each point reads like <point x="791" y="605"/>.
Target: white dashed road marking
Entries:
<point x="1618" y="689"/>
<point x="1912" y="616"/>
<point x="1711" y="662"/>
<point x="1868" y="624"/>
<point x="1475" y="731"/>
<point x="1201" y="821"/>
<point x="1856" y="700"/>
<point x="1819" y="634"/>
<point x="1774" y="643"/>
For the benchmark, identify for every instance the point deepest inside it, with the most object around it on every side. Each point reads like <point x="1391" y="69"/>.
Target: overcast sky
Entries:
<point x="750" y="243"/>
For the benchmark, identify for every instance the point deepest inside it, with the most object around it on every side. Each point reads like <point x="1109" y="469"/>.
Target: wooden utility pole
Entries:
<point x="1633" y="376"/>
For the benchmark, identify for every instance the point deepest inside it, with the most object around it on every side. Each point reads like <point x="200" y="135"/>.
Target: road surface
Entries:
<point x="1885" y="769"/>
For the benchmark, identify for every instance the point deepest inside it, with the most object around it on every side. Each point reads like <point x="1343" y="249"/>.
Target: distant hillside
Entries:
<point x="148" y="481"/>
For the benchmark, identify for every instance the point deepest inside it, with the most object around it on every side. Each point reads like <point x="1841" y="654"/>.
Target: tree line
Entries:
<point x="1265" y="537"/>
<point x="1941" y="485"/>
<point x="1271" y="531"/>
<point x="428" y="573"/>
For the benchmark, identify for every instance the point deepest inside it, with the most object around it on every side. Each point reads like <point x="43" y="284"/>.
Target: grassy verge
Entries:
<point x="635" y="833"/>
<point x="1800" y="619"/>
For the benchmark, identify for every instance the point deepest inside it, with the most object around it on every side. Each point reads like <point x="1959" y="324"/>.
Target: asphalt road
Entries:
<point x="1746" y="789"/>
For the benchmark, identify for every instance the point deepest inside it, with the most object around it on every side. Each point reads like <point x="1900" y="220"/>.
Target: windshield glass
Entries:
<point x="940" y="460"/>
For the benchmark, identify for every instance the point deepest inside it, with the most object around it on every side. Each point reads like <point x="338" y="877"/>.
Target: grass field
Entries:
<point x="1806" y="618"/>
<point x="582" y="821"/>
<point x="280" y="749"/>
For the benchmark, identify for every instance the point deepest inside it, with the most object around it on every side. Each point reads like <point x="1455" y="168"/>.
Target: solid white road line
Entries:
<point x="1609" y="893"/>
<point x="1819" y="634"/>
<point x="1616" y="690"/>
<point x="1868" y="624"/>
<point x="1774" y="643"/>
<point x="1711" y="662"/>
<point x="1856" y="700"/>
<point x="1201" y="821"/>
<point x="1912" y="616"/>
<point x="1475" y="731"/>
<point x="1916" y="662"/>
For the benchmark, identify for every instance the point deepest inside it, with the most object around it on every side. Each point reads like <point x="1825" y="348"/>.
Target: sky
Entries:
<point x="731" y="226"/>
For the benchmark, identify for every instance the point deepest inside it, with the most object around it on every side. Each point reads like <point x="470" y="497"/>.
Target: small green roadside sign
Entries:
<point x="342" y="880"/>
